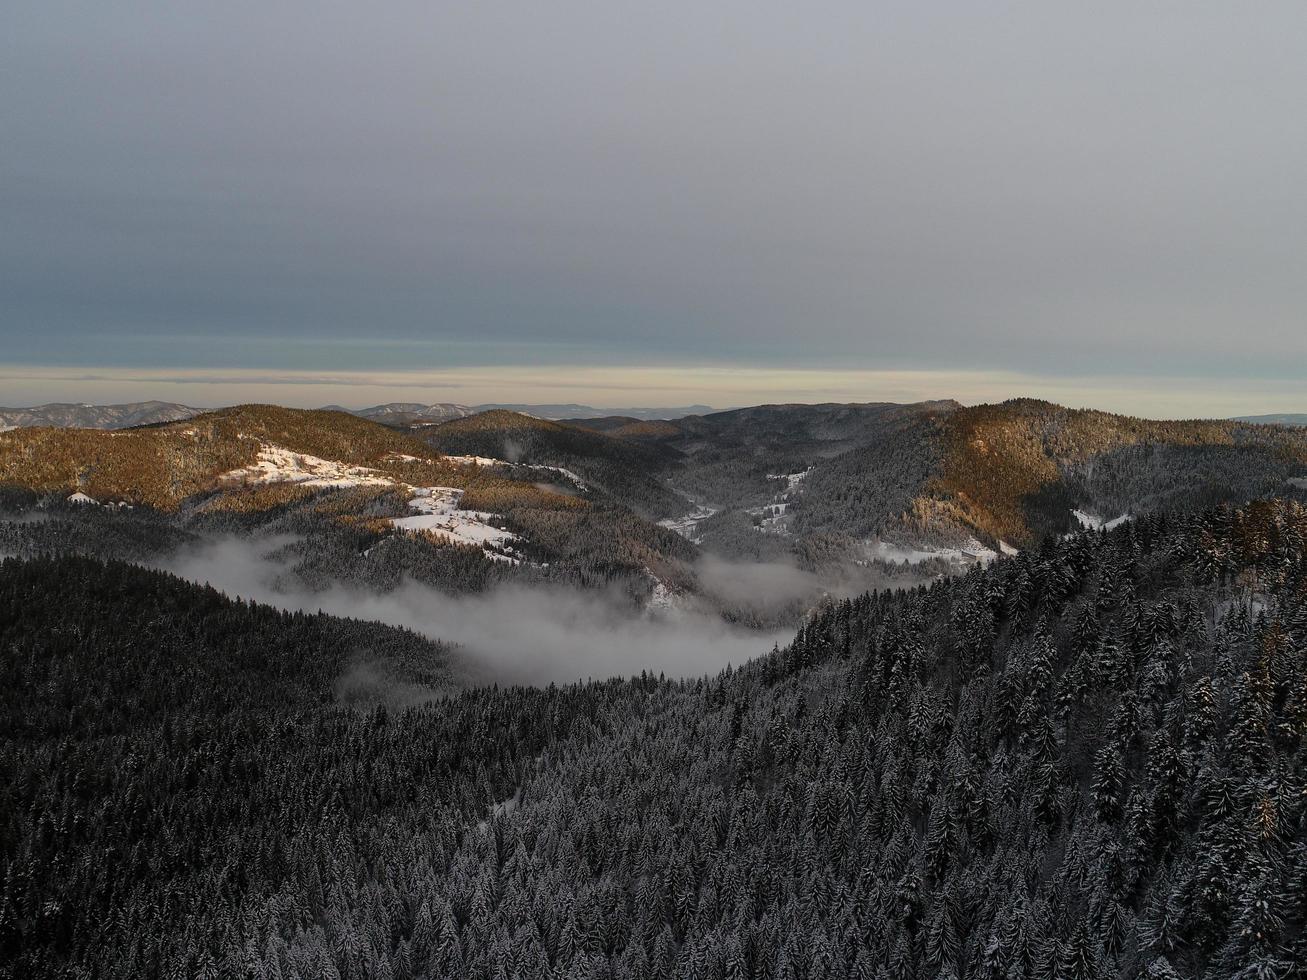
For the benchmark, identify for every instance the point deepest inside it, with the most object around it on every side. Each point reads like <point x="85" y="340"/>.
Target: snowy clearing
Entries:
<point x="477" y="461"/>
<point x="81" y="498"/>
<point x="436" y="508"/>
<point x="278" y="465"/>
<point x="438" y="513"/>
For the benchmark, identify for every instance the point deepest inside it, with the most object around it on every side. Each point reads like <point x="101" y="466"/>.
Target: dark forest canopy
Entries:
<point x="1086" y="761"/>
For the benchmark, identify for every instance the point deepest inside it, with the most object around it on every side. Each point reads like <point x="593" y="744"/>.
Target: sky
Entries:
<point x="654" y="204"/>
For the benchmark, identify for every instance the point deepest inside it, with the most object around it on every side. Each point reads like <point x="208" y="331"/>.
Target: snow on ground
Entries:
<point x="1091" y="522"/>
<point x="772" y="515"/>
<point x="505" y="807"/>
<point x="477" y="461"/>
<point x="436" y="508"/>
<point x="566" y="473"/>
<point x="491" y="461"/>
<point x="278" y="465"/>
<point x="687" y="526"/>
<point x="662" y="599"/>
<point x="792" y="480"/>
<point x="1255" y="603"/>
<point x="973" y="551"/>
<point x="438" y="513"/>
<point x="1007" y="549"/>
<point x="81" y="498"/>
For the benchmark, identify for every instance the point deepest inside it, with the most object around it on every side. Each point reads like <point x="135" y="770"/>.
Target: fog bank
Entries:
<point x="513" y="634"/>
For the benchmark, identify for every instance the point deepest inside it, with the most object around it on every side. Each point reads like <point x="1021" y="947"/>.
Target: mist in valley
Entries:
<point x="512" y="634"/>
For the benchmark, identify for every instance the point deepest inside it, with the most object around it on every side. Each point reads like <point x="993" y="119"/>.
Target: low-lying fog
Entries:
<point x="513" y="634"/>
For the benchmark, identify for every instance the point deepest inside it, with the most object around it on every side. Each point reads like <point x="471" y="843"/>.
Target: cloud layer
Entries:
<point x="1101" y="191"/>
<point x="617" y="386"/>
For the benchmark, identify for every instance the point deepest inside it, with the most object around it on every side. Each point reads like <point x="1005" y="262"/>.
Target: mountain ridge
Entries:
<point x="834" y="494"/>
<point x="1295" y="419"/>
<point x="398" y="414"/>
<point x="85" y="416"/>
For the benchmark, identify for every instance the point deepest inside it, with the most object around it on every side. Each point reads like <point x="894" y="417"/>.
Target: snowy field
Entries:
<point x="436" y="509"/>
<point x="437" y="512"/>
<point x="278" y="465"/>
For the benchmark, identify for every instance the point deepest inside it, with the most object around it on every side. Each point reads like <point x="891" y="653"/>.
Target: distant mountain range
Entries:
<point x="1289" y="419"/>
<point x="844" y="494"/>
<point x="573" y="411"/>
<point x="816" y="479"/>
<point x="67" y="415"/>
<point x="408" y="413"/>
<point x="415" y="413"/>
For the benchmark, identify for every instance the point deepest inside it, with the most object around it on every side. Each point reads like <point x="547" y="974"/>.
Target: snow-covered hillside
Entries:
<point x="437" y="512"/>
<point x="436" y="508"/>
<point x="278" y="465"/>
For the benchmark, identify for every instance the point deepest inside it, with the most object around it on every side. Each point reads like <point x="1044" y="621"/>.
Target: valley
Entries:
<point x="988" y="627"/>
<point x="618" y="491"/>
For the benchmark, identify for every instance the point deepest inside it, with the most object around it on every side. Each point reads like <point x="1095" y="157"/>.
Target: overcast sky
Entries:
<point x="644" y="203"/>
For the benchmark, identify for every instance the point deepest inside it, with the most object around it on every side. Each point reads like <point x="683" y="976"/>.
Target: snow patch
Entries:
<point x="663" y="599"/>
<point x="506" y="807"/>
<point x="278" y="465"/>
<point x="491" y="461"/>
<point x="438" y="513"/>
<point x="1007" y="549"/>
<point x="1092" y="522"/>
<point x="772" y="517"/>
<point x="566" y="474"/>
<point x="973" y="552"/>
<point x="436" y="508"/>
<point x="687" y="526"/>
<point x="81" y="498"/>
<point x="792" y="480"/>
<point x="477" y="461"/>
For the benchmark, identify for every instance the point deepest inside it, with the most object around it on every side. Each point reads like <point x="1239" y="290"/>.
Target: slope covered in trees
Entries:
<point x="624" y="469"/>
<point x="341" y="484"/>
<point x="164" y="465"/>
<point x="938" y="473"/>
<point x="1086" y="761"/>
<point x="1016" y="470"/>
<point x="830" y="489"/>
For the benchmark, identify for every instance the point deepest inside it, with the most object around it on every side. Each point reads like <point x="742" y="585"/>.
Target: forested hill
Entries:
<point x="1085" y="761"/>
<point x="371" y="504"/>
<point x="940" y="474"/>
